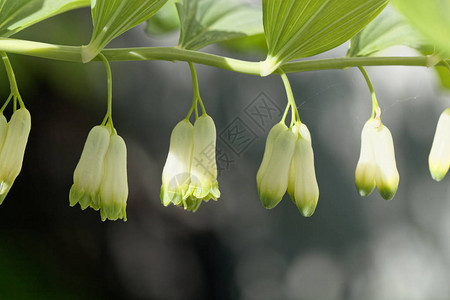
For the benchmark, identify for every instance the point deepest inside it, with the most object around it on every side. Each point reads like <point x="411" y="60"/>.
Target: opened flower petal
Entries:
<point x="176" y="172"/>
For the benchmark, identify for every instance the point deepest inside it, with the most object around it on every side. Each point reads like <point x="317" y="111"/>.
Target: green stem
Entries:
<point x="12" y="80"/>
<point x="6" y="103"/>
<point x="290" y="96"/>
<point x="372" y="91"/>
<point x="196" y="92"/>
<point x="283" y="119"/>
<point x="108" y="117"/>
<point x="73" y="54"/>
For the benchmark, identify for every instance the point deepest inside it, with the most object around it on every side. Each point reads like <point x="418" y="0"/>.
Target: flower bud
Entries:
<point x="376" y="165"/>
<point x="303" y="188"/>
<point x="273" y="134"/>
<point x="15" y="136"/>
<point x="366" y="167"/>
<point x="387" y="177"/>
<point x="114" y="184"/>
<point x="439" y="159"/>
<point x="176" y="172"/>
<point x="89" y="171"/>
<point x="274" y="179"/>
<point x="204" y="183"/>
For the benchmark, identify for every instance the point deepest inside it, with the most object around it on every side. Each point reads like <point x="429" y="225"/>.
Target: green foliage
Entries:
<point x="205" y="22"/>
<point x="431" y="17"/>
<point x="16" y="15"/>
<point x="387" y="30"/>
<point x="111" y="18"/>
<point x="444" y="76"/>
<point x="164" y="21"/>
<point x="392" y="29"/>
<point x="296" y="29"/>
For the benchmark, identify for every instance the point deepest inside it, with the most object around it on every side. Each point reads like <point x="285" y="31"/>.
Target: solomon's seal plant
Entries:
<point x="290" y="29"/>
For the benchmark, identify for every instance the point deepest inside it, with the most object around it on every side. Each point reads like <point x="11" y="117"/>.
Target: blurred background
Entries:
<point x="351" y="248"/>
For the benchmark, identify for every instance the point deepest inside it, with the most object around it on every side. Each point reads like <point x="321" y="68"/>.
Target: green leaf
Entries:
<point x="444" y="76"/>
<point x="302" y="28"/>
<point x="111" y="18"/>
<point x="431" y="18"/>
<point x="205" y="22"/>
<point x="388" y="29"/>
<point x="16" y="15"/>
<point x="255" y="44"/>
<point x="164" y="21"/>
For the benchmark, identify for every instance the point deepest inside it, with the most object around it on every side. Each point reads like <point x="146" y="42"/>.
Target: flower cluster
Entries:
<point x="100" y="178"/>
<point x="13" y="140"/>
<point x="190" y="173"/>
<point x="439" y="159"/>
<point x="288" y="164"/>
<point x="376" y="165"/>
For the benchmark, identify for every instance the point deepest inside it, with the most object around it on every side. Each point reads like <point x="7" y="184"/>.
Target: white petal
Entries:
<point x="275" y="180"/>
<point x="13" y="150"/>
<point x="176" y="172"/>
<point x="203" y="165"/>
<point x="306" y="188"/>
<point x="89" y="171"/>
<point x="273" y="133"/>
<point x="439" y="159"/>
<point x="387" y="177"/>
<point x="366" y="168"/>
<point x="114" y="184"/>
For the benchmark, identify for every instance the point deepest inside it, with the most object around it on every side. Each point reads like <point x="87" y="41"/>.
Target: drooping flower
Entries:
<point x="89" y="170"/>
<point x="272" y="177"/>
<point x="176" y="172"/>
<point x="100" y="178"/>
<point x="190" y="173"/>
<point x="114" y="184"/>
<point x="302" y="184"/>
<point x="439" y="159"/>
<point x="13" y="141"/>
<point x="203" y="184"/>
<point x="270" y="141"/>
<point x="376" y="165"/>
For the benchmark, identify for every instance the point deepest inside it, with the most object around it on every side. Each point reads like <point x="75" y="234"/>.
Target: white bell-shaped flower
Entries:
<point x="13" y="140"/>
<point x="114" y="183"/>
<point x="275" y="173"/>
<point x="376" y="165"/>
<point x="270" y="141"/>
<point x="176" y="173"/>
<point x="89" y="170"/>
<point x="439" y="159"/>
<point x="302" y="184"/>
<point x="203" y="183"/>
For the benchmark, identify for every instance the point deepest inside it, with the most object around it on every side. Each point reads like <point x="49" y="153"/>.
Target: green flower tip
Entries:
<point x="438" y="171"/>
<point x="365" y="179"/>
<point x="307" y="211"/>
<point x="387" y="191"/>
